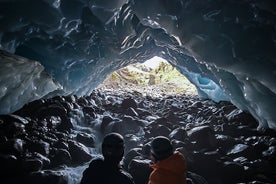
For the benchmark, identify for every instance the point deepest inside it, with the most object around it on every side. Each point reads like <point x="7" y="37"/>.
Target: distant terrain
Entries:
<point x="162" y="79"/>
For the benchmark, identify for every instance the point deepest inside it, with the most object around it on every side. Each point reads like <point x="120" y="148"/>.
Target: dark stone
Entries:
<point x="11" y="118"/>
<point x="193" y="178"/>
<point x="131" y="112"/>
<point x="45" y="160"/>
<point x="78" y="153"/>
<point x="90" y="111"/>
<point x="105" y="122"/>
<point x="86" y="139"/>
<point x="160" y="130"/>
<point x="243" y="150"/>
<point x="13" y="129"/>
<point x="13" y="147"/>
<point x="9" y="166"/>
<point x="225" y="142"/>
<point x="129" y="102"/>
<point x="205" y="164"/>
<point x="246" y="118"/>
<point x="46" y="177"/>
<point x="179" y="134"/>
<point x="130" y="155"/>
<point x="143" y="112"/>
<point x="39" y="146"/>
<point x="61" y="144"/>
<point x="146" y="150"/>
<point x="232" y="172"/>
<point x="131" y="141"/>
<point x="60" y="157"/>
<point x="32" y="165"/>
<point x="204" y="137"/>
<point x="140" y="170"/>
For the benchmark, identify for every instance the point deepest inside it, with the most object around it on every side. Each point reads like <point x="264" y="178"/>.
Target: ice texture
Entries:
<point x="227" y="49"/>
<point x="22" y="81"/>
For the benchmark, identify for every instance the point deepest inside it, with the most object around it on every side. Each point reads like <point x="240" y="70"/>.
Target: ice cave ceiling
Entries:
<point x="227" y="48"/>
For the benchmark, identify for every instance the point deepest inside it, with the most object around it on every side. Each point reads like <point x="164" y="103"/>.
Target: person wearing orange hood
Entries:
<point x="170" y="166"/>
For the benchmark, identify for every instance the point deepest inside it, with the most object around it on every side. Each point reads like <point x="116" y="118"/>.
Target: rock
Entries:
<point x="60" y="157"/>
<point x="78" y="153"/>
<point x="131" y="154"/>
<point x="143" y="112"/>
<point x="232" y="172"/>
<point x="146" y="150"/>
<point x="3" y="139"/>
<point x="129" y="102"/>
<point x="61" y="145"/>
<point x="131" y="141"/>
<point x="270" y="155"/>
<point x="13" y="118"/>
<point x="128" y="125"/>
<point x="204" y="137"/>
<point x="32" y="165"/>
<point x="105" y="122"/>
<point x="193" y="178"/>
<point x="225" y="142"/>
<point x="45" y="160"/>
<point x="66" y="125"/>
<point x="131" y="112"/>
<point x="89" y="112"/>
<point x="206" y="164"/>
<point x="13" y="129"/>
<point x="39" y="146"/>
<point x="46" y="177"/>
<point x="179" y="134"/>
<point x="160" y="130"/>
<point x="9" y="166"/>
<point x="245" y="118"/>
<point x="13" y="147"/>
<point x="140" y="170"/>
<point x="86" y="139"/>
<point x="243" y="150"/>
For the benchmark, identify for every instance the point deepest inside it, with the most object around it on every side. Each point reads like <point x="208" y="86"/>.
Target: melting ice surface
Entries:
<point x="225" y="48"/>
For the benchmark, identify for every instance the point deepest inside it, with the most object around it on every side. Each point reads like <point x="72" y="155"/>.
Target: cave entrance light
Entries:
<point x="153" y="77"/>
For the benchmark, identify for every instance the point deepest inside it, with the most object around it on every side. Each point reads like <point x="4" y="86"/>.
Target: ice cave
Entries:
<point x="227" y="49"/>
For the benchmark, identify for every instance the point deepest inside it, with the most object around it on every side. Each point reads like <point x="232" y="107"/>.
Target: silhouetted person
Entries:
<point x="108" y="170"/>
<point x="170" y="166"/>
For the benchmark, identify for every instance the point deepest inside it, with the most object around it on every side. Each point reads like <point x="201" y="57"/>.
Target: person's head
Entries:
<point x="113" y="148"/>
<point x="161" y="148"/>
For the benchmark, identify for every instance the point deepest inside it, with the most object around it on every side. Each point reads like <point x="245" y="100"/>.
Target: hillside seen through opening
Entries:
<point x="154" y="77"/>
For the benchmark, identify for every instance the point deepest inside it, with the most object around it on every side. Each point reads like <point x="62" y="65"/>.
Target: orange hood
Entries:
<point x="172" y="170"/>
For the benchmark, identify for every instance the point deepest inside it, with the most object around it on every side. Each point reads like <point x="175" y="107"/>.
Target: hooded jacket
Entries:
<point x="171" y="170"/>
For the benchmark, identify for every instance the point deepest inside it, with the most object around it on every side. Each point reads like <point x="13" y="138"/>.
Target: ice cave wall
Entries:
<point x="226" y="48"/>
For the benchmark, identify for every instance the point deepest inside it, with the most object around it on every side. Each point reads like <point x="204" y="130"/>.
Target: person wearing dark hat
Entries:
<point x="169" y="166"/>
<point x="108" y="170"/>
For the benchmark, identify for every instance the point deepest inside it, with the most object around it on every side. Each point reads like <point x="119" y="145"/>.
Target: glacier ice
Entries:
<point x="225" y="48"/>
<point x="22" y="81"/>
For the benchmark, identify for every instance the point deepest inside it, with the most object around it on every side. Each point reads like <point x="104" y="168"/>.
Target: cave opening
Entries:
<point x="153" y="77"/>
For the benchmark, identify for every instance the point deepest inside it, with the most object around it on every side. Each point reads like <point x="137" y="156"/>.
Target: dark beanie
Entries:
<point x="161" y="148"/>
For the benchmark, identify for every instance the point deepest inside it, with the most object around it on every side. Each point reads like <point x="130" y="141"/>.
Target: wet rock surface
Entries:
<point x="220" y="142"/>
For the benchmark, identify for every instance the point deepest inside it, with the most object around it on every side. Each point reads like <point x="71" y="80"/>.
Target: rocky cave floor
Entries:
<point x="220" y="142"/>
